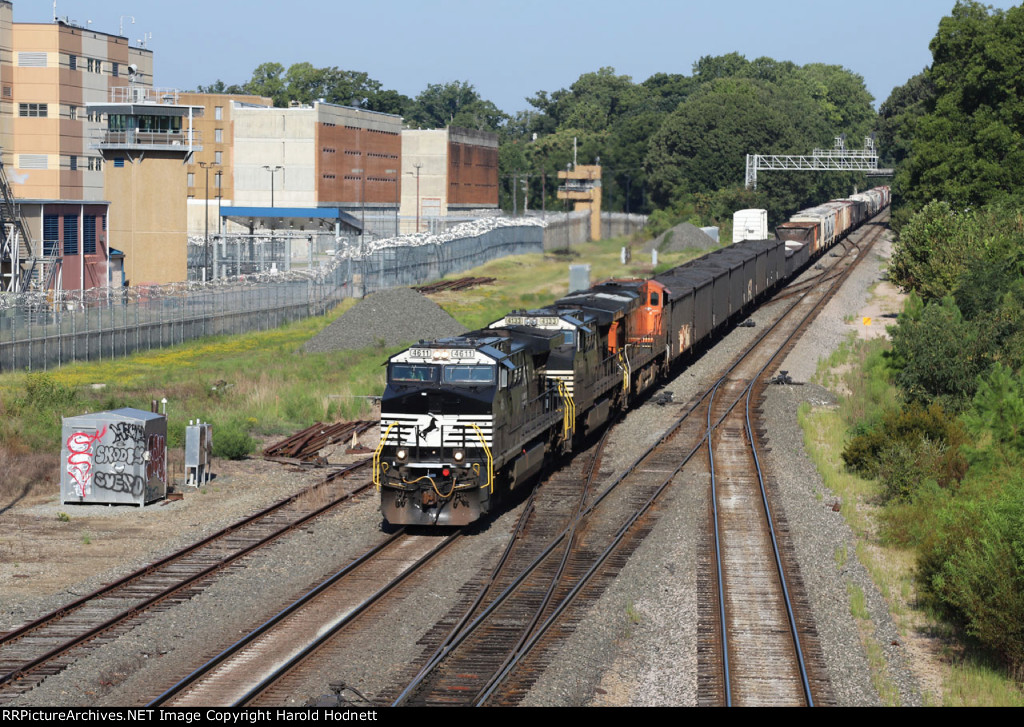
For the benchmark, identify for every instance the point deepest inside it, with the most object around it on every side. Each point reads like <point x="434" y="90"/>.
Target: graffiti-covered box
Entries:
<point x="114" y="457"/>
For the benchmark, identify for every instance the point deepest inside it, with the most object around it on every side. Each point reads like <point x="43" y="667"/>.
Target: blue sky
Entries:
<point x="510" y="50"/>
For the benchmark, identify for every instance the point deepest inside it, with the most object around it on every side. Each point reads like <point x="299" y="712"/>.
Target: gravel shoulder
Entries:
<point x="635" y="647"/>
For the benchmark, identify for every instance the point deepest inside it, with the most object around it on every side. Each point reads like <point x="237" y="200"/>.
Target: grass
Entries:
<point x="855" y="372"/>
<point x="260" y="383"/>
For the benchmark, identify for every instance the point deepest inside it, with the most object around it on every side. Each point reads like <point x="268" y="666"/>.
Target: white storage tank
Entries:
<point x="114" y="457"/>
<point x="750" y="225"/>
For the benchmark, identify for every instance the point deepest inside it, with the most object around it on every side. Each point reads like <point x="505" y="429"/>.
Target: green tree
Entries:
<point x="968" y="146"/>
<point x="268" y="80"/>
<point x="454" y="104"/>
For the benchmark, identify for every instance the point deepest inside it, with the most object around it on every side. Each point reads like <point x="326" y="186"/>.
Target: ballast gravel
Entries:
<point x="636" y="645"/>
<point x="386" y="318"/>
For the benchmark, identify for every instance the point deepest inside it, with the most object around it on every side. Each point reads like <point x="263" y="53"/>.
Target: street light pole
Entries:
<point x="206" y="235"/>
<point x="362" y="211"/>
<point x="398" y="178"/>
<point x="273" y="170"/>
<point x="417" y="165"/>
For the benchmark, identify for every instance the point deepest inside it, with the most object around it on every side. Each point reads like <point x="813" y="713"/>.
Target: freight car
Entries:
<point x="469" y="419"/>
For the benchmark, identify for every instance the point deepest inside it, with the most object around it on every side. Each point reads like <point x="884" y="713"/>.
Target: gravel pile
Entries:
<point x="681" y="237"/>
<point x="393" y="316"/>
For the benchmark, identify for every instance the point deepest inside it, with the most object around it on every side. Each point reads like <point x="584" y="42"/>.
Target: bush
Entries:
<point x="231" y="441"/>
<point x="908" y="447"/>
<point x="975" y="568"/>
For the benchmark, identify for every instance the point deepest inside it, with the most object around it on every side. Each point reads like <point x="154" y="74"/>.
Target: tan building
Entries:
<point x="49" y="73"/>
<point x="214" y="165"/>
<point x="445" y="171"/>
<point x="148" y="138"/>
<point x="582" y="185"/>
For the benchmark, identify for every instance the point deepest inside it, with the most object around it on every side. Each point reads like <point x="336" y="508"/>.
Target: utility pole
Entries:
<point x="206" y="235"/>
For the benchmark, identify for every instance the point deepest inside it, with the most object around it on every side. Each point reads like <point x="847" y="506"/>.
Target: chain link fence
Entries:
<point x="39" y="330"/>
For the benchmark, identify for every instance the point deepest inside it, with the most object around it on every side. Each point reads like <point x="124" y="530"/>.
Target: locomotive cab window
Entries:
<point x="464" y="374"/>
<point x="654" y="299"/>
<point x="412" y="373"/>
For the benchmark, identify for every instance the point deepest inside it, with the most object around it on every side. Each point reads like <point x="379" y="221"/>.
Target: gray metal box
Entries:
<point x="198" y="453"/>
<point x="579" y="277"/>
<point x="114" y="457"/>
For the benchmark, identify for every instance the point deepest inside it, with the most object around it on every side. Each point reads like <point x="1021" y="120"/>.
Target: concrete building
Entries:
<point x="49" y="73"/>
<point x="322" y="155"/>
<point x="214" y="164"/>
<point x="582" y="185"/>
<point x="148" y="139"/>
<point x="445" y="171"/>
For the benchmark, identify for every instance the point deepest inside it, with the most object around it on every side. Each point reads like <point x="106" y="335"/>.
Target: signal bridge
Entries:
<point x="836" y="159"/>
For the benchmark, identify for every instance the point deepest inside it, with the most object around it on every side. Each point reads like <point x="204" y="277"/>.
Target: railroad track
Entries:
<point x="758" y="644"/>
<point x="254" y="666"/>
<point x="496" y="652"/>
<point x="41" y="648"/>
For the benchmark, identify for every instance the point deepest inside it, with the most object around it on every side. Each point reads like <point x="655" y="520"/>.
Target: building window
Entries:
<point x="32" y="109"/>
<point x="51" y="235"/>
<point x="216" y="180"/>
<point x="114" y="69"/>
<point x="218" y="113"/>
<point x="89" y="234"/>
<point x="218" y="136"/>
<point x="33" y="161"/>
<point x="218" y="157"/>
<point x="73" y="62"/>
<point x="74" y="163"/>
<point x="191" y="179"/>
<point x="8" y="92"/>
<point x="70" y="234"/>
<point x="73" y="113"/>
<point x="32" y="60"/>
<point x="118" y="162"/>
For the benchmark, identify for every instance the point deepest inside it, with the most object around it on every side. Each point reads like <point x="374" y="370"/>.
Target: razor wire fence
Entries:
<point x="39" y="330"/>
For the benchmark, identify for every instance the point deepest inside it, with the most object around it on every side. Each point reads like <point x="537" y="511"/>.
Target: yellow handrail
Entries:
<point x="376" y="455"/>
<point x="490" y="458"/>
<point x="569" y="413"/>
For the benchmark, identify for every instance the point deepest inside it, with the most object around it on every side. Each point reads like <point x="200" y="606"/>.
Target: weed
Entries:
<point x="86" y="539"/>
<point x="632" y="614"/>
<point x="841" y="556"/>
<point x="63" y="517"/>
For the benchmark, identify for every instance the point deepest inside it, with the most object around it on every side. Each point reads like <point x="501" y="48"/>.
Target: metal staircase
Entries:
<point x="17" y="262"/>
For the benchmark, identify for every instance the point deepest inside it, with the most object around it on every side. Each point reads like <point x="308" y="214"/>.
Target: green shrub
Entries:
<point x="908" y="447"/>
<point x="974" y="568"/>
<point x="231" y="441"/>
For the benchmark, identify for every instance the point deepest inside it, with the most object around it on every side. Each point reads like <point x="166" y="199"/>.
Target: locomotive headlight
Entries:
<point x="459" y="455"/>
<point x="402" y="454"/>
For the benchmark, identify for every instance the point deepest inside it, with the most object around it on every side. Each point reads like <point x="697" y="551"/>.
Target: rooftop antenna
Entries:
<point x="120" y="28"/>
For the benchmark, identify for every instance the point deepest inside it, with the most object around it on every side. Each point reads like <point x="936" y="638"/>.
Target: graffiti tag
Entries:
<point x="126" y="433"/>
<point x="120" y="482"/>
<point x="107" y="454"/>
<point x="157" y="466"/>
<point x="79" y="464"/>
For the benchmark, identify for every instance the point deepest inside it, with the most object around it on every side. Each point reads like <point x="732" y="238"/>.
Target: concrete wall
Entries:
<point x="275" y="137"/>
<point x="148" y="218"/>
<point x="429" y="149"/>
<point x="573" y="228"/>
